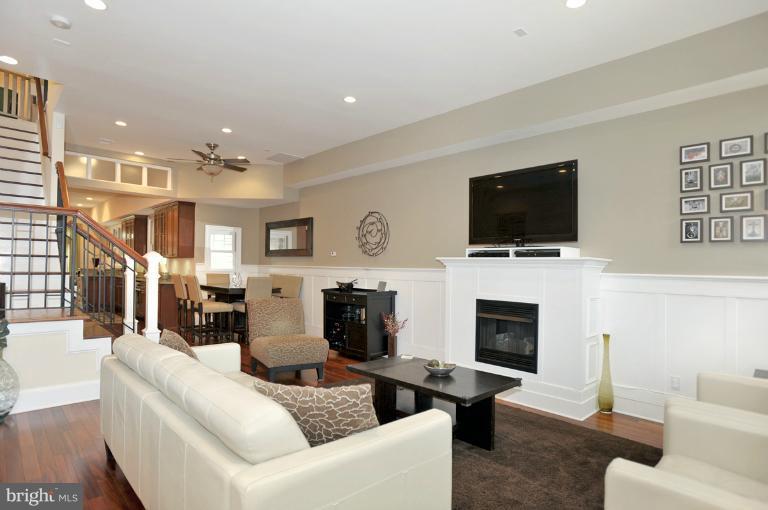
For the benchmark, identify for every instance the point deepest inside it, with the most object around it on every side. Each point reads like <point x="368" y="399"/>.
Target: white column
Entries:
<point x="151" y="300"/>
<point x="129" y="309"/>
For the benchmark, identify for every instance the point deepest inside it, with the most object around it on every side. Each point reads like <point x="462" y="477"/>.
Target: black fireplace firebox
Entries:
<point x="506" y="334"/>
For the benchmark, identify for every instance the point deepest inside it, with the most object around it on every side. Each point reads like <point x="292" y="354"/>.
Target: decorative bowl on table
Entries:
<point x="347" y="286"/>
<point x="439" y="368"/>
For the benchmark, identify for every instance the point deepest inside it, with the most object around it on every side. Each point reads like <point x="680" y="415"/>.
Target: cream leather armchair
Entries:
<point x="741" y="392"/>
<point x="715" y="457"/>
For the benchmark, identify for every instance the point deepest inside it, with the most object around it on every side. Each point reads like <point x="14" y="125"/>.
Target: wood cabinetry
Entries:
<point x="353" y="322"/>
<point x="132" y="230"/>
<point x="174" y="230"/>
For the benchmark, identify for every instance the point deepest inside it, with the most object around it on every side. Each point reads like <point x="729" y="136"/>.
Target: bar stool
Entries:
<point x="182" y="303"/>
<point x="208" y="314"/>
<point x="256" y="287"/>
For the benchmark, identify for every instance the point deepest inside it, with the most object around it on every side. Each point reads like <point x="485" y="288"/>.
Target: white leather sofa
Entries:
<point x="715" y="457"/>
<point x="193" y="435"/>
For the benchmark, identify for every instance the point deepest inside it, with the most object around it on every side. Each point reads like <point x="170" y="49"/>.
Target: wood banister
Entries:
<point x="62" y="184"/>
<point x="41" y="117"/>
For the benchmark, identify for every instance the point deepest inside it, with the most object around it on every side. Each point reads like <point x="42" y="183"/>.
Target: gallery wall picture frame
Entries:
<point x="721" y="229"/>
<point x="753" y="172"/>
<point x="695" y="153"/>
<point x="691" y="230"/>
<point x="765" y="143"/>
<point x="736" y="201"/>
<point x="691" y="179"/>
<point x="698" y="204"/>
<point x="721" y="176"/>
<point x="753" y="227"/>
<point x="738" y="147"/>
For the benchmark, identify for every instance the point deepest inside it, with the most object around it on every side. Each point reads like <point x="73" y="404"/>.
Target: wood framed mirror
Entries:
<point x="289" y="238"/>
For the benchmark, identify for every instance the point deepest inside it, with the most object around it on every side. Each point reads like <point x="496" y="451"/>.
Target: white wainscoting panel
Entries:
<point x="662" y="326"/>
<point x="673" y="327"/>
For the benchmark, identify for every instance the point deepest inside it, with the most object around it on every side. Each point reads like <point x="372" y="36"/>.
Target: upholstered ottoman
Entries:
<point x="277" y="339"/>
<point x="289" y="352"/>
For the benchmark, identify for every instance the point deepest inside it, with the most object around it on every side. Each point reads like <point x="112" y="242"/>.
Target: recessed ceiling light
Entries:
<point x="350" y="99"/>
<point x="226" y="130"/>
<point x="79" y="205"/>
<point x="241" y="157"/>
<point x="99" y="5"/>
<point x="120" y="123"/>
<point x="8" y="60"/>
<point x="139" y="153"/>
<point x="89" y="198"/>
<point x="60" y="22"/>
<point x="575" y="4"/>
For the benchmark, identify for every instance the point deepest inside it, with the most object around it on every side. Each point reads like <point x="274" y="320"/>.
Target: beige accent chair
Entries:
<point x="289" y="285"/>
<point x="209" y="315"/>
<point x="277" y="339"/>
<point x="195" y="435"/>
<point x="715" y="457"/>
<point x="256" y="287"/>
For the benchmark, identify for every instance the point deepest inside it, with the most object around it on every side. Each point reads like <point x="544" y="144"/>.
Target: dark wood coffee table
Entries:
<point x="471" y="390"/>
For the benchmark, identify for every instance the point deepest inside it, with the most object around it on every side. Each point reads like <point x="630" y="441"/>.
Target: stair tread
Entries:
<point x="43" y="314"/>
<point x="27" y="131"/>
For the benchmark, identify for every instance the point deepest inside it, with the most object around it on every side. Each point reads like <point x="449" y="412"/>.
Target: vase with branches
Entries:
<point x="392" y="326"/>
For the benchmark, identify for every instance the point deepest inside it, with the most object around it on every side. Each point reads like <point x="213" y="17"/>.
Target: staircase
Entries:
<point x="21" y="180"/>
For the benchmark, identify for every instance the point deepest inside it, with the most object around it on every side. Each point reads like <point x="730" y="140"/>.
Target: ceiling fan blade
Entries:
<point x="203" y="155"/>
<point x="233" y="167"/>
<point x="236" y="161"/>
<point x="184" y="159"/>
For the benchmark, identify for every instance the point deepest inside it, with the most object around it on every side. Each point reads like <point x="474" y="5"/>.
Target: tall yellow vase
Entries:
<point x="605" y="391"/>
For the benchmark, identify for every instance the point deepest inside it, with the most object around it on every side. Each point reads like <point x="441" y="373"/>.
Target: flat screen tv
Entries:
<point x="537" y="204"/>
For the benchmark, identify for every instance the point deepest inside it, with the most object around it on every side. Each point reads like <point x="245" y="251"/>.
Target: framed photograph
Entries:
<point x="736" y="147"/>
<point x="738" y="201"/>
<point x="753" y="172"/>
<point x="721" y="176"/>
<point x="694" y="153"/>
<point x="753" y="228"/>
<point x="690" y="230"/>
<point x="690" y="179"/>
<point x="721" y="229"/>
<point x="694" y="205"/>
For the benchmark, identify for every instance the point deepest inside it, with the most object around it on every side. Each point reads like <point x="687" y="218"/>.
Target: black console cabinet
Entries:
<point x="352" y="321"/>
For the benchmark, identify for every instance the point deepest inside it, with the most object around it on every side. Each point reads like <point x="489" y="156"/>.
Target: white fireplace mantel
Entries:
<point x="567" y="291"/>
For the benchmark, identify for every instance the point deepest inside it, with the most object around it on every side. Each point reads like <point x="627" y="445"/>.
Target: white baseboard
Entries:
<point x="59" y="395"/>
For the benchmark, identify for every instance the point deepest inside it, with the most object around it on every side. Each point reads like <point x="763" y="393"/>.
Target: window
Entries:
<point x="222" y="248"/>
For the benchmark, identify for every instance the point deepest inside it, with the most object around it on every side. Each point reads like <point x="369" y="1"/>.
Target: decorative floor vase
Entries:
<point x="605" y="391"/>
<point x="391" y="346"/>
<point x="9" y="387"/>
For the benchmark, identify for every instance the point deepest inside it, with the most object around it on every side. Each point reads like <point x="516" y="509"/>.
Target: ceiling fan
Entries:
<point x="212" y="164"/>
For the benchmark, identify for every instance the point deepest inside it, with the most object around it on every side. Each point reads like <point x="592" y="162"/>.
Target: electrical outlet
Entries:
<point x="332" y="253"/>
<point x="674" y="382"/>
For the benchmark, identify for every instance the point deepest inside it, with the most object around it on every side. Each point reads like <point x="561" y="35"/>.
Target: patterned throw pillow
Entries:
<point x="324" y="414"/>
<point x="171" y="339"/>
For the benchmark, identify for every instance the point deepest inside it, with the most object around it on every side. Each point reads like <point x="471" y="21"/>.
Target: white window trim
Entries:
<point x="238" y="247"/>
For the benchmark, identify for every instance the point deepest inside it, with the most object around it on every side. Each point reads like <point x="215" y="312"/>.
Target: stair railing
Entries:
<point x="60" y="257"/>
<point x="16" y="96"/>
<point x="41" y="101"/>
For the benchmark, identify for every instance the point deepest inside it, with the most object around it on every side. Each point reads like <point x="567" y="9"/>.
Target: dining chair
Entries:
<point x="182" y="302"/>
<point x="289" y="285"/>
<point x="217" y="279"/>
<point x="208" y="314"/>
<point x="256" y="287"/>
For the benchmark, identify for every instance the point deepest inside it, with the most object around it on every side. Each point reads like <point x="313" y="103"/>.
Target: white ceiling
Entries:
<point x="177" y="71"/>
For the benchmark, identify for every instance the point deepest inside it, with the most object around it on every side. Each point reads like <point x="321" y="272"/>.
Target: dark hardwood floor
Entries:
<point x="63" y="444"/>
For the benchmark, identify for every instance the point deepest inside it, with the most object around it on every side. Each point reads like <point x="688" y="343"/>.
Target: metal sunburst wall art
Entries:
<point x="373" y="234"/>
